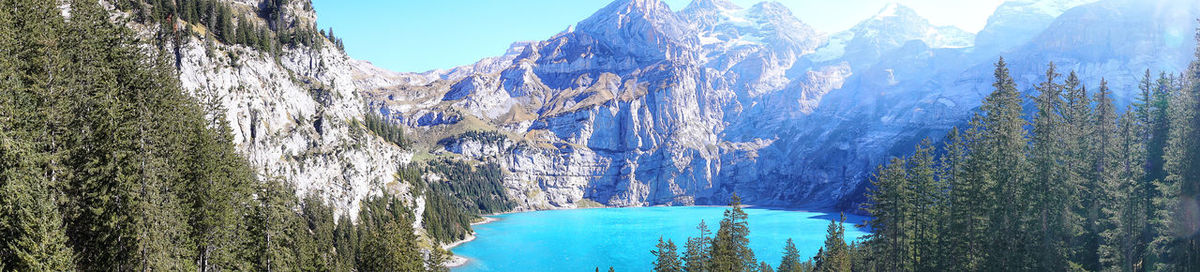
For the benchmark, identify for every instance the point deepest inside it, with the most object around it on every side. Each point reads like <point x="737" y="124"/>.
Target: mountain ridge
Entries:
<point x="793" y="120"/>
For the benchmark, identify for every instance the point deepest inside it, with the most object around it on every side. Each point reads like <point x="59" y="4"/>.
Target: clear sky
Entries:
<point x="420" y="35"/>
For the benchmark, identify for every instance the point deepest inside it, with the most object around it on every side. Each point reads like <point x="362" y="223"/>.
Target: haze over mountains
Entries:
<point x="641" y="105"/>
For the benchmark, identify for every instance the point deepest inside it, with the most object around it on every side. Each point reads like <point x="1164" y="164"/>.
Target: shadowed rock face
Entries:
<point x="640" y="105"/>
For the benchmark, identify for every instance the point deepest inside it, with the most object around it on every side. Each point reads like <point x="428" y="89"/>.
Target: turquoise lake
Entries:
<point x="580" y="240"/>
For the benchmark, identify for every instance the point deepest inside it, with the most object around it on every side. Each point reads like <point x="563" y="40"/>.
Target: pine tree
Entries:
<point x="890" y="205"/>
<point x="1052" y="198"/>
<point x="277" y="232"/>
<point x="31" y="227"/>
<point x="224" y="24"/>
<point x="125" y="212"/>
<point x="791" y="258"/>
<point x="835" y="255"/>
<point x="1125" y="218"/>
<point x="35" y="109"/>
<point x="243" y="32"/>
<point x="190" y="10"/>
<point x="217" y="195"/>
<point x="1176" y="248"/>
<point x="1003" y="148"/>
<point x="666" y="257"/>
<point x="860" y="259"/>
<point x="970" y="201"/>
<point x="31" y="233"/>
<point x="696" y="250"/>
<point x="1151" y="112"/>
<point x="389" y="247"/>
<point x="436" y="262"/>
<point x="319" y="220"/>
<point x="954" y="230"/>
<point x="345" y="243"/>
<point x="1079" y="169"/>
<point x="764" y="267"/>
<point x="928" y="195"/>
<point x="730" y="249"/>
<point x="1154" y="112"/>
<point x="387" y="241"/>
<point x="1102" y="174"/>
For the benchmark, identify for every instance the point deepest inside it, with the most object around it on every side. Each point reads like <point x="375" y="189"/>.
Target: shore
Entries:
<point x="455" y="260"/>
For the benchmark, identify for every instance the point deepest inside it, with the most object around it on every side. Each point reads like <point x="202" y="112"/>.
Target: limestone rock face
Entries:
<point x="295" y="116"/>
<point x="639" y="105"/>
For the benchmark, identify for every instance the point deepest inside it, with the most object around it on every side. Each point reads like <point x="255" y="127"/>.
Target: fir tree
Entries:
<point x="436" y="262"/>
<point x="216" y="196"/>
<point x="387" y="241"/>
<point x="666" y="257"/>
<point x="319" y="220"/>
<point x="927" y="196"/>
<point x="835" y="255"/>
<point x="224" y="25"/>
<point x="30" y="224"/>
<point x="1125" y="219"/>
<point x="277" y="232"/>
<point x="31" y="227"/>
<point x="1103" y="173"/>
<point x="345" y="243"/>
<point x="125" y="196"/>
<point x="764" y="267"/>
<point x="730" y="248"/>
<point x="1052" y="197"/>
<point x="791" y="258"/>
<point x="1175" y="247"/>
<point x="889" y="203"/>
<point x="961" y="215"/>
<point x="1002" y="148"/>
<point x="696" y="250"/>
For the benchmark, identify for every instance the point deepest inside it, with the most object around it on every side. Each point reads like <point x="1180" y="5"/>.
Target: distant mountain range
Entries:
<point x="642" y="105"/>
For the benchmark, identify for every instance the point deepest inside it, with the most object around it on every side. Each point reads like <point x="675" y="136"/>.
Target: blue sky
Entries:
<point x="420" y="35"/>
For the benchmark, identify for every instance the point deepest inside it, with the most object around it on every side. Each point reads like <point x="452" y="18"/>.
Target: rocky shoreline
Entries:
<point x="456" y="260"/>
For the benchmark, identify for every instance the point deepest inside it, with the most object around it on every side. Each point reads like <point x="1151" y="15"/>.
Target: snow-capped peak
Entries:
<point x="716" y="5"/>
<point x="1047" y="7"/>
<point x="636" y="18"/>
<point x="623" y="12"/>
<point x="894" y="9"/>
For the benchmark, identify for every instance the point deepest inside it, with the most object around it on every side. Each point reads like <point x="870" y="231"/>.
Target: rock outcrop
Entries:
<point x="295" y="114"/>
<point x="638" y="105"/>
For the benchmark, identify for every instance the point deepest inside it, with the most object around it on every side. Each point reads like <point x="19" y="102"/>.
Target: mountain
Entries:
<point x="638" y="105"/>
<point x="890" y="29"/>
<point x="1016" y="22"/>
<point x="635" y="105"/>
<point x="294" y="114"/>
<point x="1132" y="36"/>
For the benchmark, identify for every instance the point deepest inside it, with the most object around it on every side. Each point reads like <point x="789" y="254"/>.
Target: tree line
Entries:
<point x="729" y="249"/>
<point x="228" y="25"/>
<point x="1074" y="185"/>
<point x="389" y="131"/>
<point x="106" y="164"/>
<point x="459" y="196"/>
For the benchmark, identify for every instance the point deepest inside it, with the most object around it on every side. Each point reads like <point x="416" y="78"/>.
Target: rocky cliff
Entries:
<point x="642" y="105"/>
<point x="294" y="110"/>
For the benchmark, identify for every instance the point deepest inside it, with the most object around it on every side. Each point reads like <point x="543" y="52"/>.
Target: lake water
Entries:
<point x="580" y="240"/>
